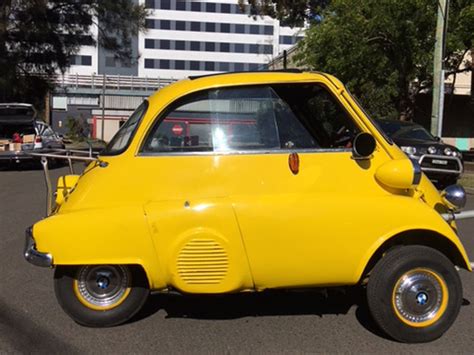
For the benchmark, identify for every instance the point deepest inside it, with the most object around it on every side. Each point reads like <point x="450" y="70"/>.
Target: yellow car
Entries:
<point x="252" y="181"/>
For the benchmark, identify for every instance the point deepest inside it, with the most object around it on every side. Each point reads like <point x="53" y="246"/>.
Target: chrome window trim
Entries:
<point x="247" y="152"/>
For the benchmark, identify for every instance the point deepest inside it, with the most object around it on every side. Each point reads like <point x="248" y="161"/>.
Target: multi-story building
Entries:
<point x="183" y="38"/>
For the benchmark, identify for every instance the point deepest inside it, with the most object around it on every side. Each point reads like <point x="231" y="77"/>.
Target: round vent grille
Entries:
<point x="202" y="261"/>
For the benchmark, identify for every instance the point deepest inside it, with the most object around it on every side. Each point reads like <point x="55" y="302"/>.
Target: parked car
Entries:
<point x="441" y="162"/>
<point x="21" y="132"/>
<point x="253" y="181"/>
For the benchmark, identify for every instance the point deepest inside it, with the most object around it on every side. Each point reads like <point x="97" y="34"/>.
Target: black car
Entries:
<point x="441" y="162"/>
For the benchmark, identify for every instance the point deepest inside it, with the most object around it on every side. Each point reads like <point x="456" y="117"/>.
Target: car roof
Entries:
<point x="187" y="86"/>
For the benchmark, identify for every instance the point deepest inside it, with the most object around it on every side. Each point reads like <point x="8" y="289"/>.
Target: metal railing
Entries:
<point x="112" y="82"/>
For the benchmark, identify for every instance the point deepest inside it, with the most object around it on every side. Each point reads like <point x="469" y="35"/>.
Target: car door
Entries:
<point x="307" y="224"/>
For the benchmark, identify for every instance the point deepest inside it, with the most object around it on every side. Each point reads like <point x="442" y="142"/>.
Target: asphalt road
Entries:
<point x="32" y="321"/>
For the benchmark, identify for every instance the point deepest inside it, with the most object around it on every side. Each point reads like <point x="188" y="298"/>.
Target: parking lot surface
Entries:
<point x="32" y="321"/>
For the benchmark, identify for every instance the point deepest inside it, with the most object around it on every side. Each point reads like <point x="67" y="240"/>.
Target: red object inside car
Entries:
<point x="17" y="138"/>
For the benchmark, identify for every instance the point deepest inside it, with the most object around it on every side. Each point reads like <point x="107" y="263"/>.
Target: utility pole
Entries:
<point x="102" y="128"/>
<point x="438" y="69"/>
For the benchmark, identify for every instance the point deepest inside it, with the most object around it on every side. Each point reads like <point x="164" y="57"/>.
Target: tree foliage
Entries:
<point x="382" y="49"/>
<point x="40" y="37"/>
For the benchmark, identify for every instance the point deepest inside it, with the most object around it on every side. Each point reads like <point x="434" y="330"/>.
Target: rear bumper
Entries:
<point x="15" y="157"/>
<point x="32" y="255"/>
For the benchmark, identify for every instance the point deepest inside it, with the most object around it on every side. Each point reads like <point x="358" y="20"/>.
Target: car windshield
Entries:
<point x="123" y="137"/>
<point x="399" y="130"/>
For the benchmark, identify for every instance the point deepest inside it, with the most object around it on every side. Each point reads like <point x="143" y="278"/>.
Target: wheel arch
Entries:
<point x="423" y="237"/>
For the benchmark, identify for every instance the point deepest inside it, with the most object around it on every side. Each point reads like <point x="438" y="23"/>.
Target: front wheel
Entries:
<point x="414" y="294"/>
<point x="100" y="295"/>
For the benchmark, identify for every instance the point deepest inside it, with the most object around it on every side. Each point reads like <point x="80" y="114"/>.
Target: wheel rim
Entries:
<point x="102" y="287"/>
<point x="420" y="297"/>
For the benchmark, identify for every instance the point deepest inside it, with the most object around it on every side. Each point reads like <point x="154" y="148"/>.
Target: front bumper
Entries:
<point x="32" y="255"/>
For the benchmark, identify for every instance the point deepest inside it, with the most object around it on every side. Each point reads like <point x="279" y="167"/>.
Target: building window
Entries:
<point x="239" y="48"/>
<point x="194" y="65"/>
<point x="181" y="5"/>
<point x="254" y="29"/>
<point x="180" y="45"/>
<point x="225" y="27"/>
<point x="149" y="43"/>
<point x="210" y="47"/>
<point x="179" y="64"/>
<point x="210" y="27"/>
<point x="150" y="4"/>
<point x="225" y="8"/>
<point x="268" y="49"/>
<point x="210" y="7"/>
<point x="196" y="26"/>
<point x="225" y="47"/>
<point x="149" y="63"/>
<point x="239" y="28"/>
<point x="224" y="66"/>
<point x="195" y="46"/>
<point x="180" y="25"/>
<point x="164" y="44"/>
<point x="196" y="6"/>
<point x="85" y="60"/>
<point x="164" y="64"/>
<point x="268" y="30"/>
<point x="165" y="5"/>
<point x="150" y="23"/>
<point x="253" y="48"/>
<point x="238" y="66"/>
<point x="165" y="24"/>
<point x="209" y="66"/>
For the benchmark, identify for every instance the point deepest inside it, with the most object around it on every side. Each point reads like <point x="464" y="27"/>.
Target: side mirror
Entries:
<point x="438" y="139"/>
<point x="363" y="146"/>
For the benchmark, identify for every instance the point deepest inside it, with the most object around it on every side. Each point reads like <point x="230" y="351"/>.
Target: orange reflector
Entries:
<point x="294" y="163"/>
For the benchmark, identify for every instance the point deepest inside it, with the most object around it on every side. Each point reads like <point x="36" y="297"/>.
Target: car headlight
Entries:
<point x="432" y="150"/>
<point x="409" y="150"/>
<point x="456" y="154"/>
<point x="448" y="151"/>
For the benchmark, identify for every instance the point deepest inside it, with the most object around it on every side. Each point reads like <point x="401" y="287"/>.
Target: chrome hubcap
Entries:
<point x="103" y="285"/>
<point x="418" y="296"/>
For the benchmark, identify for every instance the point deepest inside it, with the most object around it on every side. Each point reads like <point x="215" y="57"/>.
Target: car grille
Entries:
<point x="440" y="163"/>
<point x="202" y="261"/>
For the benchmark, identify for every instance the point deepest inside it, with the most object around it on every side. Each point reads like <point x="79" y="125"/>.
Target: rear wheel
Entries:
<point x="101" y="295"/>
<point x="414" y="294"/>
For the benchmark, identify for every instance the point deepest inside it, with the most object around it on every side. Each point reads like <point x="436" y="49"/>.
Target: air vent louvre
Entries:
<point x="202" y="262"/>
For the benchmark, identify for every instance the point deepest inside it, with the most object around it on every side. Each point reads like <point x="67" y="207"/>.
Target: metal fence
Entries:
<point x="111" y="82"/>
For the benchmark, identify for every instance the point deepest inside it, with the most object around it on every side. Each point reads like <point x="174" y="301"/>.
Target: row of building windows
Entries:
<point x="197" y="65"/>
<point x="290" y="39"/>
<point x="195" y="6"/>
<point x="81" y="60"/>
<point x="209" y="27"/>
<point x="208" y="46"/>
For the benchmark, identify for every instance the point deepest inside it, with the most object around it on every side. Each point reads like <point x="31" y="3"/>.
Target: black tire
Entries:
<point x="84" y="302"/>
<point x="431" y="287"/>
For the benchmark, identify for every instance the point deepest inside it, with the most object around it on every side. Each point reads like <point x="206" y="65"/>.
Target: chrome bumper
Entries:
<point x="32" y="255"/>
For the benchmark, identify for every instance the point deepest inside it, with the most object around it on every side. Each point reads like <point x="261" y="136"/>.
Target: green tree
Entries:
<point x="38" y="39"/>
<point x="382" y="49"/>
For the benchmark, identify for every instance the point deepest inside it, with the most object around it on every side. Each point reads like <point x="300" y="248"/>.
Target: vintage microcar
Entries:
<point x="247" y="182"/>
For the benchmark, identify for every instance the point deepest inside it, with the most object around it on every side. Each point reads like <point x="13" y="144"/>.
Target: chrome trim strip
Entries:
<point x="32" y="255"/>
<point x="455" y="216"/>
<point x="444" y="157"/>
<point x="417" y="172"/>
<point x="246" y="152"/>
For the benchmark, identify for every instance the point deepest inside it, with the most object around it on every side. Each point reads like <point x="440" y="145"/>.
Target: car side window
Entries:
<point x="239" y="119"/>
<point x="327" y="122"/>
<point x="220" y="120"/>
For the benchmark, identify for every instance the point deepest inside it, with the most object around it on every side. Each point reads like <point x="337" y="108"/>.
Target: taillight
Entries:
<point x="38" y="139"/>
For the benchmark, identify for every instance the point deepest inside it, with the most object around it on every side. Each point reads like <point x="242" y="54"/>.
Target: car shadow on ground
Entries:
<point x="268" y="303"/>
